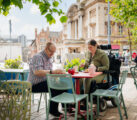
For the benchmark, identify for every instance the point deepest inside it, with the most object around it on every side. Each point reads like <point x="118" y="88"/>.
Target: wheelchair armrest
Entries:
<point x="108" y="71"/>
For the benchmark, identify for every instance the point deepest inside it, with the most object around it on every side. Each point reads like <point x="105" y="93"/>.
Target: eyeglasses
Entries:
<point x="51" y="51"/>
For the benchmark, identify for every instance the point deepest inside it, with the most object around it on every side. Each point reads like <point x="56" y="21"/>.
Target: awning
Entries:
<point x="116" y="47"/>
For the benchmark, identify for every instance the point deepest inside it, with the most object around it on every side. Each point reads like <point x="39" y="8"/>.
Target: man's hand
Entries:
<point x="58" y="71"/>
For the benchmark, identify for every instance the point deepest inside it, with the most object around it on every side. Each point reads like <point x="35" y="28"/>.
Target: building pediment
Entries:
<point x="72" y="10"/>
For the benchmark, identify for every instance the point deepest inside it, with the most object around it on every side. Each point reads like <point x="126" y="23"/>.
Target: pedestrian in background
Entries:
<point x="127" y="55"/>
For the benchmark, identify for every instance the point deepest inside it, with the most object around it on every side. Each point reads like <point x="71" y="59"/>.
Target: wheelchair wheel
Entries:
<point x="102" y="104"/>
<point x="114" y="102"/>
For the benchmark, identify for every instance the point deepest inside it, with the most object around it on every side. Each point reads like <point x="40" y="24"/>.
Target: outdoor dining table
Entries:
<point x="17" y="71"/>
<point x="77" y="77"/>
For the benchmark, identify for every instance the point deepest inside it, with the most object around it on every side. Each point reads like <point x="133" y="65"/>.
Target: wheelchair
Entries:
<point x="111" y="80"/>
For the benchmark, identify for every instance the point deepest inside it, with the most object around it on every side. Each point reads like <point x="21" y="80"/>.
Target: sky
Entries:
<point x="25" y="21"/>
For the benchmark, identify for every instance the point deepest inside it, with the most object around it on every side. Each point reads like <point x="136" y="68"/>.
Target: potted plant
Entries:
<point x="14" y="63"/>
<point x="74" y="63"/>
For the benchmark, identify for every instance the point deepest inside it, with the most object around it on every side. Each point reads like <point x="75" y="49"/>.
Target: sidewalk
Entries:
<point x="130" y="97"/>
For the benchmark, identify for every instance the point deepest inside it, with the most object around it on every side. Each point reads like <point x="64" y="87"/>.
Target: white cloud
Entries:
<point x="58" y="26"/>
<point x="13" y="18"/>
<point x="29" y="30"/>
<point x="34" y="10"/>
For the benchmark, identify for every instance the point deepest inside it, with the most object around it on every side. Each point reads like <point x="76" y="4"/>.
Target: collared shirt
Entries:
<point x="40" y="61"/>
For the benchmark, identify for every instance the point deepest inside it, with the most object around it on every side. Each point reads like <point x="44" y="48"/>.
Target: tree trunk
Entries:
<point x="130" y="43"/>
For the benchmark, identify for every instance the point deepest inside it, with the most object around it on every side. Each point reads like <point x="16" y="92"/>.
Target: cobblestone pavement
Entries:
<point x="130" y="97"/>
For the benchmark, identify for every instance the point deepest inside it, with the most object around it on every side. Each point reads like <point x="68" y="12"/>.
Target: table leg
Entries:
<point x="78" y="92"/>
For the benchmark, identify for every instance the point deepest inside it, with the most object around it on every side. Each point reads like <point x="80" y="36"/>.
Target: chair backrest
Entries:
<point x="2" y="76"/>
<point x="122" y="80"/>
<point x="134" y="74"/>
<point x="26" y="73"/>
<point x="60" y="82"/>
<point x="15" y="96"/>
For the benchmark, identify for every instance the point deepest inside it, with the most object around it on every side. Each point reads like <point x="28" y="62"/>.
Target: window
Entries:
<point x="120" y="29"/>
<point x="42" y="40"/>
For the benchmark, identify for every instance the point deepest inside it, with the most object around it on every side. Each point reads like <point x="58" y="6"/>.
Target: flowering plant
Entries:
<point x="14" y="63"/>
<point x="74" y="62"/>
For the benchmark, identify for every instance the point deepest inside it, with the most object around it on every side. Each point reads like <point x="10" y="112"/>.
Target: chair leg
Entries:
<point x="46" y="102"/>
<point x="87" y="108"/>
<point x="117" y="101"/>
<point x="65" y="111"/>
<point x="33" y="98"/>
<point x="76" y="112"/>
<point x="97" y="106"/>
<point x="124" y="106"/>
<point x="39" y="102"/>
<point x="91" y="103"/>
<point x="47" y="115"/>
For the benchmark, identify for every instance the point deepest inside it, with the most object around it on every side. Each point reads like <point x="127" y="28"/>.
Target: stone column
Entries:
<point x="89" y="25"/>
<point x="69" y="30"/>
<point x="76" y="29"/>
<point x="100" y="21"/>
<point x="80" y="26"/>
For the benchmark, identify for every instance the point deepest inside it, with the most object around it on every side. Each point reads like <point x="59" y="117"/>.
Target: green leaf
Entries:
<point x="36" y="2"/>
<point x="55" y="3"/>
<point x="63" y="19"/>
<point x="1" y="1"/>
<point x="54" y="10"/>
<point x="6" y="3"/>
<point x="53" y="21"/>
<point x="17" y="3"/>
<point x="49" y="17"/>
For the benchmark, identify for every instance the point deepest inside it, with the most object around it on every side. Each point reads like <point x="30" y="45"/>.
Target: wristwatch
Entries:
<point x="50" y="72"/>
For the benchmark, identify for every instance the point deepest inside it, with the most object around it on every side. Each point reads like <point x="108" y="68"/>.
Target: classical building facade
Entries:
<point x="42" y="38"/>
<point x="88" y="19"/>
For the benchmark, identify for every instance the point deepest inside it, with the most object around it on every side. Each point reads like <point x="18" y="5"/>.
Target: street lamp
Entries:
<point x="10" y="30"/>
<point x="109" y="23"/>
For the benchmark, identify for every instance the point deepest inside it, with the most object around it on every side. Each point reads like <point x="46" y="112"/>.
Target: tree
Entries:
<point x="125" y="12"/>
<point x="47" y="8"/>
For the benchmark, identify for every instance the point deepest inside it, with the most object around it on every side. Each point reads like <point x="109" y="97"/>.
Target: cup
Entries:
<point x="92" y="69"/>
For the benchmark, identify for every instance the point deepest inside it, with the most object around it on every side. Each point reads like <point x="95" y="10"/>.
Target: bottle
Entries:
<point x="92" y="69"/>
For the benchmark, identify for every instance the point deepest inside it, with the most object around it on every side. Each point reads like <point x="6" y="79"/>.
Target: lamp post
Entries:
<point x="109" y="41"/>
<point x="10" y="30"/>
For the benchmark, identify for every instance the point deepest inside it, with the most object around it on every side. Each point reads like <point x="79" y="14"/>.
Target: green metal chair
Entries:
<point x="111" y="93"/>
<point x="25" y="76"/>
<point x="15" y="100"/>
<point x="134" y="74"/>
<point x="2" y="76"/>
<point x="64" y="82"/>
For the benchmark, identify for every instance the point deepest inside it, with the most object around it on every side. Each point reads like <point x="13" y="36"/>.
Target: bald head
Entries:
<point x="49" y="45"/>
<point x="50" y="49"/>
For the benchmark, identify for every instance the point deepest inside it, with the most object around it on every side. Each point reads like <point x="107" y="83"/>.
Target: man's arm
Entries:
<point x="41" y="73"/>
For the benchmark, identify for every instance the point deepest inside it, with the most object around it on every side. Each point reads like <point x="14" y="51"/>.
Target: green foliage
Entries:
<point x="14" y="63"/>
<point x="125" y="12"/>
<point x="74" y="62"/>
<point x="63" y="19"/>
<point x="47" y="8"/>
